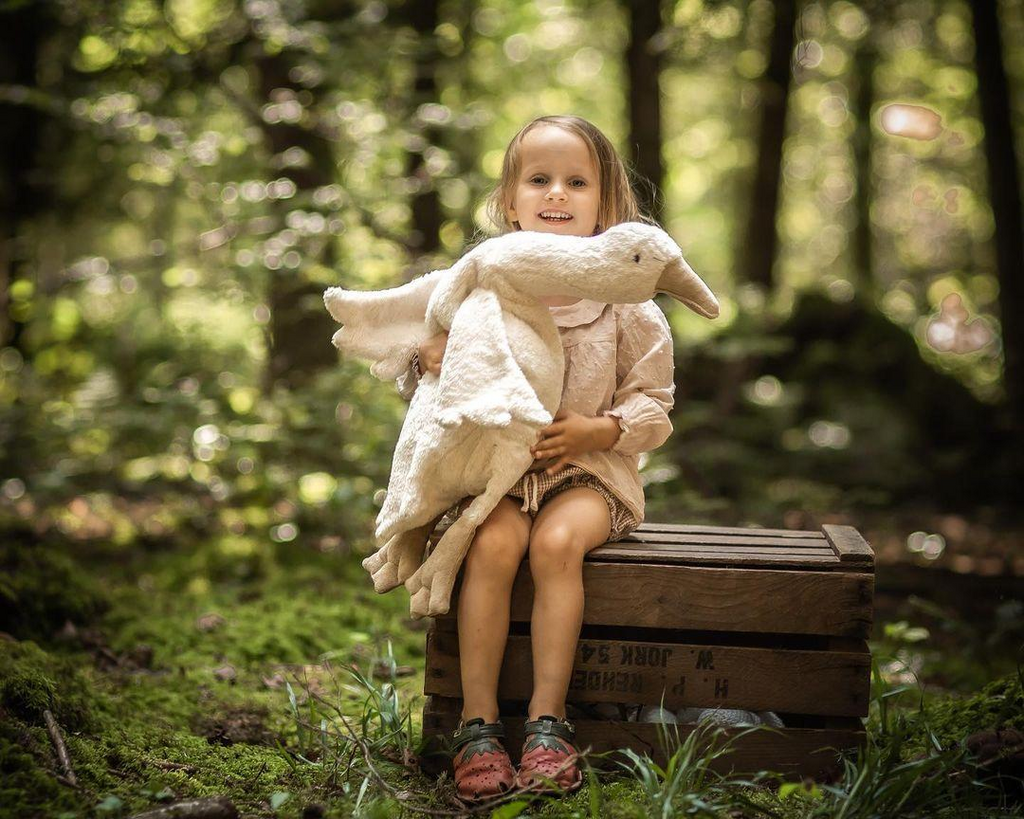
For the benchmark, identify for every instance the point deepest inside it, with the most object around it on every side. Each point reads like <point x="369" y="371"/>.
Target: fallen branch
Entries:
<point x="53" y="729"/>
<point x="167" y="765"/>
<point x="217" y="807"/>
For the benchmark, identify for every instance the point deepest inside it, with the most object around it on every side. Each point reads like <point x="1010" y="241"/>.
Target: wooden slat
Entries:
<point x="849" y="546"/>
<point x="716" y="557"/>
<point x="717" y="599"/>
<point x="802" y="682"/>
<point x="733" y="540"/>
<point x="656" y="546"/>
<point x="792" y="751"/>
<point x="753" y="531"/>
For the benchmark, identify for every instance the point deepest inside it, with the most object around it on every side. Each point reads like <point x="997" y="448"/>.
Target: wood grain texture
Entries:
<point x="750" y="531"/>
<point x="848" y="544"/>
<point x="794" y="751"/>
<point x="717" y="599"/>
<point x="725" y="555"/>
<point x="668" y="538"/>
<point x="832" y="683"/>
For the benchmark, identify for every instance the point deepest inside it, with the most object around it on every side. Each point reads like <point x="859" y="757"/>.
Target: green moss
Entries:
<point x="617" y="799"/>
<point x="28" y="786"/>
<point x="998" y="704"/>
<point x="32" y="681"/>
<point x="41" y="588"/>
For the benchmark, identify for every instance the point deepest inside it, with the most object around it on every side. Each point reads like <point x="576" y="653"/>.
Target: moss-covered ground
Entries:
<point x="190" y="672"/>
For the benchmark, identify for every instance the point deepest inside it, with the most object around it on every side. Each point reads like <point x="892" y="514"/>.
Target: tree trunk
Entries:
<point x="760" y="247"/>
<point x="21" y="193"/>
<point x="425" y="233"/>
<point x="300" y="327"/>
<point x="1004" y="192"/>
<point x="643" y="61"/>
<point x="865" y="60"/>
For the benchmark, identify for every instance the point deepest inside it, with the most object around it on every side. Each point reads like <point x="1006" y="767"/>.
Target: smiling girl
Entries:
<point x="560" y="175"/>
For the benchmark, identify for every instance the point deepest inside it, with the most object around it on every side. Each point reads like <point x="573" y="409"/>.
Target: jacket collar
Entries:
<point x="573" y="315"/>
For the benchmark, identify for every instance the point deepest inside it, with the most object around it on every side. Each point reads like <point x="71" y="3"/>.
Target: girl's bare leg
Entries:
<point x="484" y="599"/>
<point x="567" y="527"/>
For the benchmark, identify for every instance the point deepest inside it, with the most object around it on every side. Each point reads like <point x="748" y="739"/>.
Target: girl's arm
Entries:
<point x="645" y="376"/>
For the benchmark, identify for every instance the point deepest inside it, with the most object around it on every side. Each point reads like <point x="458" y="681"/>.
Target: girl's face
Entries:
<point x="558" y="186"/>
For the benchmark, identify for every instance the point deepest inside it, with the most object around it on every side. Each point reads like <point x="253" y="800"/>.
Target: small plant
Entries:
<point x="382" y="723"/>
<point x="687" y="785"/>
<point x="879" y="782"/>
<point x="355" y="748"/>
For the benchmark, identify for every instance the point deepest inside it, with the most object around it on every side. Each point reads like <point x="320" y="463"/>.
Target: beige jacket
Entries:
<point x="618" y="361"/>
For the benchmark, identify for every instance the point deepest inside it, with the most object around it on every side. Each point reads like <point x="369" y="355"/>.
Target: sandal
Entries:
<point x="482" y="766"/>
<point x="548" y="764"/>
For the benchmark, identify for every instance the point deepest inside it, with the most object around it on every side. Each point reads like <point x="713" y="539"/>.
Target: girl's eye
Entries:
<point x="538" y="180"/>
<point x="581" y="183"/>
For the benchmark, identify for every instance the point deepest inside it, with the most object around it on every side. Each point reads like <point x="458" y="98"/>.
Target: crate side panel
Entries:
<point x="792" y="751"/>
<point x="804" y="682"/>
<point x="718" y="599"/>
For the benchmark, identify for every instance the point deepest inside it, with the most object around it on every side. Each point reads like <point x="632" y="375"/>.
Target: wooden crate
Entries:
<point x="758" y="619"/>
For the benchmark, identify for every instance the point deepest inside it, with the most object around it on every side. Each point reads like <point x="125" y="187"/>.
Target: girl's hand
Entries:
<point x="432" y="353"/>
<point x="572" y="434"/>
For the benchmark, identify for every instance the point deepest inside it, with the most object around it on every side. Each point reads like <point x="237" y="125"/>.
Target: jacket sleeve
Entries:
<point x="408" y="381"/>
<point x="644" y="374"/>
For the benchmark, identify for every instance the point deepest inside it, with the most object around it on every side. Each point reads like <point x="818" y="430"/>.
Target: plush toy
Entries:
<point x="469" y="431"/>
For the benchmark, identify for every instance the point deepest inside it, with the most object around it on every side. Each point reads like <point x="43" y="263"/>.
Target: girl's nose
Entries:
<point x="556" y="191"/>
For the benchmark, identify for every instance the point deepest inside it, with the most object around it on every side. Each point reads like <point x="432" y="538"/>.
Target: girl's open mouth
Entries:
<point x="549" y="216"/>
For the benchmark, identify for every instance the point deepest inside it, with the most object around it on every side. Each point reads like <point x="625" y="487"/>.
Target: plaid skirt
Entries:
<point x="534" y="488"/>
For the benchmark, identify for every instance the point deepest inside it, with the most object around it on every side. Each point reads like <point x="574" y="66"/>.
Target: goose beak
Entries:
<point x="680" y="282"/>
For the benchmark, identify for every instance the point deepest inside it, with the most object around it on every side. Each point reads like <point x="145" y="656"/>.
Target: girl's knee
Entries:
<point x="494" y="550"/>
<point x="555" y="548"/>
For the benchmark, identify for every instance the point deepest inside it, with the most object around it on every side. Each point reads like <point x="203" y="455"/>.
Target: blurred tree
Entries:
<point x="864" y="62"/>
<point x="24" y="191"/>
<point x="304" y="150"/>
<point x="424" y="235"/>
<point x="1004" y="193"/>
<point x="759" y="249"/>
<point x="643" y="63"/>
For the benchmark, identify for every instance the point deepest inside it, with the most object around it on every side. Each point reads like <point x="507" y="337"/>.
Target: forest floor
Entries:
<point x="204" y="670"/>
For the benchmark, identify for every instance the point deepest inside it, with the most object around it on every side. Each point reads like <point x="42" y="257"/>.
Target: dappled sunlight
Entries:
<point x="911" y="121"/>
<point x="930" y="546"/>
<point x="950" y="330"/>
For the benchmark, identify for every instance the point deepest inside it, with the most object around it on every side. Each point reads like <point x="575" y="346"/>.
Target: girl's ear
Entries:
<point x="510" y="215"/>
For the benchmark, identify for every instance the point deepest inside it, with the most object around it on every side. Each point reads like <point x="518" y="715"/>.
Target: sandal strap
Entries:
<point x="476" y="730"/>
<point x="551" y="725"/>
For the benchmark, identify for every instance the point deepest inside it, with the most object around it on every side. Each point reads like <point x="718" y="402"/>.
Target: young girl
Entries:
<point x="560" y="175"/>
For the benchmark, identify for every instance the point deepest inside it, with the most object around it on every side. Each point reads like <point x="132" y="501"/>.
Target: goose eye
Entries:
<point x="636" y="258"/>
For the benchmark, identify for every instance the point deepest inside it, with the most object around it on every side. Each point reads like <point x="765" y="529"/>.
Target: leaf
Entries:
<point x="110" y="805"/>
<point x="278" y="798"/>
<point x="362" y="793"/>
<point x="509" y="810"/>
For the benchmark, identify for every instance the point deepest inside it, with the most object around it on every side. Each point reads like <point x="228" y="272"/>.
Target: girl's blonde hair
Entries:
<point x="618" y="202"/>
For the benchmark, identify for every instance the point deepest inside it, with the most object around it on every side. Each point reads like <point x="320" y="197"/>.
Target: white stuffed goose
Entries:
<point x="469" y="431"/>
